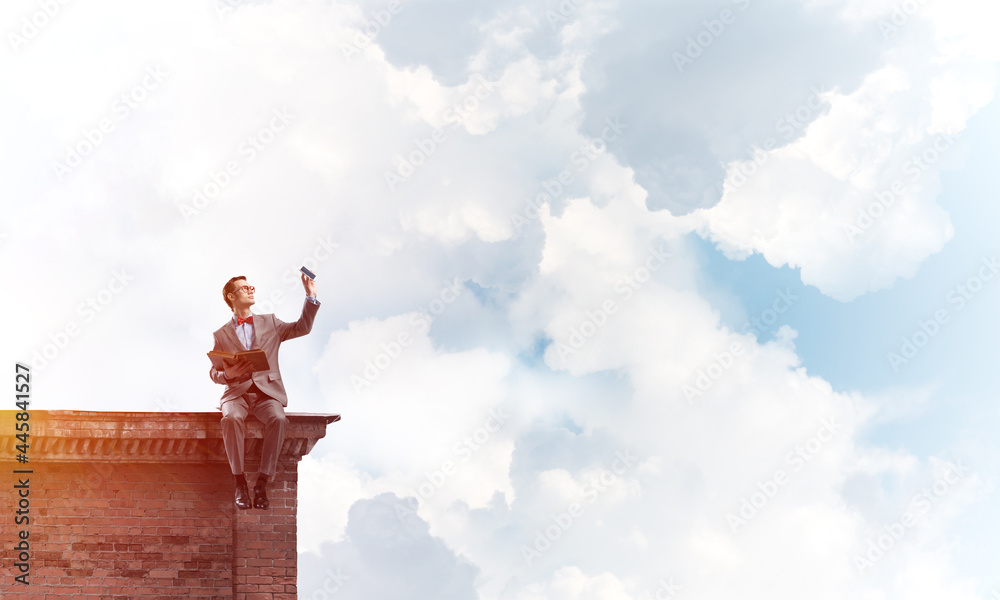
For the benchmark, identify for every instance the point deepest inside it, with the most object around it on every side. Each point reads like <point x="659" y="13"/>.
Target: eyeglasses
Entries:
<point x="246" y="288"/>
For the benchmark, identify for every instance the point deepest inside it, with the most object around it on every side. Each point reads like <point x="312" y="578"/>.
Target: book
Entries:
<point x="256" y="358"/>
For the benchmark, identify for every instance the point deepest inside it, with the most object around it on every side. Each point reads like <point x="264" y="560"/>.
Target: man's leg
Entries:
<point x="270" y="412"/>
<point x="234" y="414"/>
<point x="272" y="415"/>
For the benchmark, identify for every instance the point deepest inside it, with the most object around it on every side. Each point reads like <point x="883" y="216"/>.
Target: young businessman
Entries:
<point x="260" y="394"/>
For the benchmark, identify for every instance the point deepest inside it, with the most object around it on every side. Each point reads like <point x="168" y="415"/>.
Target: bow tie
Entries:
<point x="241" y="320"/>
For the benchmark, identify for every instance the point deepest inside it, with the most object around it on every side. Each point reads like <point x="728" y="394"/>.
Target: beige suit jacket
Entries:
<point x="269" y="332"/>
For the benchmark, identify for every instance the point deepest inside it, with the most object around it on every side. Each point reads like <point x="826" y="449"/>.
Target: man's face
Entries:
<point x="243" y="295"/>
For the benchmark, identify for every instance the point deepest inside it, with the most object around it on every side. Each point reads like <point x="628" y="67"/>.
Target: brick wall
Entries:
<point x="264" y="556"/>
<point x="140" y="505"/>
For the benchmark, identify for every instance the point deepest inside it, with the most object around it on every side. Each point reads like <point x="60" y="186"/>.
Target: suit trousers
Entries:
<point x="269" y="412"/>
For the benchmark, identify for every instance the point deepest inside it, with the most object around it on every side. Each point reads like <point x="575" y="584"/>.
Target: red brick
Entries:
<point x="154" y="527"/>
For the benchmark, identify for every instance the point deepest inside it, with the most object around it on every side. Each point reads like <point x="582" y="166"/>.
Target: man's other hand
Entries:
<point x="238" y="370"/>
<point x="310" y="285"/>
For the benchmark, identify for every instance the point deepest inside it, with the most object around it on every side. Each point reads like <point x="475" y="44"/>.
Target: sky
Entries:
<point x="619" y="300"/>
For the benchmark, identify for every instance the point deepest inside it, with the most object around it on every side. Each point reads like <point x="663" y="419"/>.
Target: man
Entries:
<point x="260" y="394"/>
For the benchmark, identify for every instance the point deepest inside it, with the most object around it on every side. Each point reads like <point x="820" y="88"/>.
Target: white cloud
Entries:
<point x="425" y="424"/>
<point x="571" y="583"/>
<point x="853" y="202"/>
<point x="386" y="554"/>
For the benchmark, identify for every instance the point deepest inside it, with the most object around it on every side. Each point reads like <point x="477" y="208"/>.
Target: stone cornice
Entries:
<point x="100" y="436"/>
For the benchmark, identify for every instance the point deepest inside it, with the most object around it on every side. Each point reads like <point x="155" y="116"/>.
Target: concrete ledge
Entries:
<point x="102" y="436"/>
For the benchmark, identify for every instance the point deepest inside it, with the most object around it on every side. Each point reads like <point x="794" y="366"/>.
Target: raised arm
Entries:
<point x="287" y="331"/>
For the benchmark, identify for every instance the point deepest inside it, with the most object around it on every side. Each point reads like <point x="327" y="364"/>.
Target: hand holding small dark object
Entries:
<point x="309" y="285"/>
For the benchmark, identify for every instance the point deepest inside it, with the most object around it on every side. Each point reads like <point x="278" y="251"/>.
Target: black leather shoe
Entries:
<point x="260" y="498"/>
<point x="242" y="496"/>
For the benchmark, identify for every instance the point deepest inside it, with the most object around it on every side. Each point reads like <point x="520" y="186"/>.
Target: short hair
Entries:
<point x="229" y="288"/>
